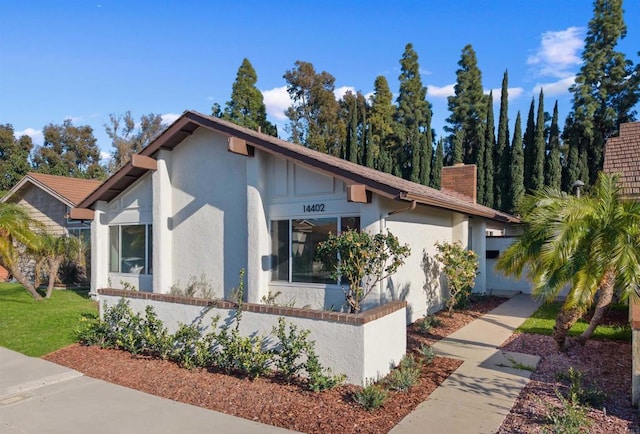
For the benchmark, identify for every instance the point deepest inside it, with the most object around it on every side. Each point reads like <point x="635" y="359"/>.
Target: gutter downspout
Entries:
<point x="383" y="226"/>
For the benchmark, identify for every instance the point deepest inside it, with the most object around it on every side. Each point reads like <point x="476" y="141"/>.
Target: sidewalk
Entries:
<point x="480" y="393"/>
<point x="37" y="396"/>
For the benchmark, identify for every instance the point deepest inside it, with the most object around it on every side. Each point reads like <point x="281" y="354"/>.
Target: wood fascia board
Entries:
<point x="81" y="214"/>
<point x="144" y="162"/>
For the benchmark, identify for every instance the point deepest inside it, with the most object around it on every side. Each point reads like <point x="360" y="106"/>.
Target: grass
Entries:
<point x="543" y="320"/>
<point x="36" y="328"/>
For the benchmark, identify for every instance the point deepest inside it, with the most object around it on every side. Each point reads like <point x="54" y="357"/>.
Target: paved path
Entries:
<point x="39" y="397"/>
<point x="480" y="393"/>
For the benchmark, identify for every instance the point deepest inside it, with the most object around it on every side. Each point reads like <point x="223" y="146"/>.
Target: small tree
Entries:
<point x="53" y="251"/>
<point x="363" y="260"/>
<point x="461" y="268"/>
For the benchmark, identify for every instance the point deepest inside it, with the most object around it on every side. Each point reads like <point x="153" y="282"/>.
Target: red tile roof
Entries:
<point x="70" y="190"/>
<point x="622" y="157"/>
<point x="381" y="183"/>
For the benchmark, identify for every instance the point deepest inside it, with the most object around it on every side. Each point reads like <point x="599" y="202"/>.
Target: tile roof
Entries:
<point x="381" y="183"/>
<point x="69" y="190"/>
<point x="622" y="157"/>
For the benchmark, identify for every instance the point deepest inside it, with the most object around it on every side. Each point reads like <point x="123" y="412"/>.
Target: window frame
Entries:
<point x="273" y="273"/>
<point x="148" y="247"/>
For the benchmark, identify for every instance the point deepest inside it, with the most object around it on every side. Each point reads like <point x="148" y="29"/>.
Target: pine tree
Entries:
<point x="529" y="144"/>
<point x="467" y="108"/>
<point x="436" y="165"/>
<point x="553" y="168"/>
<point x="246" y="106"/>
<point x="412" y="116"/>
<point x="381" y="122"/>
<point x="490" y="144"/>
<point x="501" y="157"/>
<point x="516" y="184"/>
<point x="538" y="152"/>
<point x="606" y="88"/>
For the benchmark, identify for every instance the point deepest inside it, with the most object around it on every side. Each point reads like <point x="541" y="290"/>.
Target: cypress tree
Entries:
<point x="501" y="157"/>
<point x="516" y="184"/>
<point x="539" y="146"/>
<point x="490" y="144"/>
<point x="553" y="168"/>
<point x="381" y="124"/>
<point x="458" y="139"/>
<point x="427" y="153"/>
<point x="436" y="166"/>
<point x="529" y="144"/>
<point x="352" y="136"/>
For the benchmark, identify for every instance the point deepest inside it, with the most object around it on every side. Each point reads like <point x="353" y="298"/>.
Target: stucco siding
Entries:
<point x="208" y="221"/>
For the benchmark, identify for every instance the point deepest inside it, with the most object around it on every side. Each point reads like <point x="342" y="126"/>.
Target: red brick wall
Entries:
<point x="460" y="179"/>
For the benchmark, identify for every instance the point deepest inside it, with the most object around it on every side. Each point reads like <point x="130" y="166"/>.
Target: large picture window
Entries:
<point x="130" y="249"/>
<point x="294" y="245"/>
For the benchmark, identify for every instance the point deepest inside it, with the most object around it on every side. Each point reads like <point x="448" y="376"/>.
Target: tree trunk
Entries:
<point x="606" y="293"/>
<point x="22" y="279"/>
<point x="565" y="320"/>
<point x="54" y="266"/>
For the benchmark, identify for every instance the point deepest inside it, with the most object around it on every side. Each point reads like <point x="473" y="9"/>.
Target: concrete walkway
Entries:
<point x="480" y="393"/>
<point x="38" y="397"/>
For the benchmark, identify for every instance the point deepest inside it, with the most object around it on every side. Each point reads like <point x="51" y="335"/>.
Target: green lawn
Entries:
<point x="543" y="320"/>
<point x="36" y="328"/>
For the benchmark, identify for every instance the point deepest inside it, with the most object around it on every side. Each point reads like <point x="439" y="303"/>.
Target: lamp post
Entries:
<point x="577" y="185"/>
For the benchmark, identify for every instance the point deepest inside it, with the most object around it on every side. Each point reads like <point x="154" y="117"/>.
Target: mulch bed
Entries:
<point x="268" y="400"/>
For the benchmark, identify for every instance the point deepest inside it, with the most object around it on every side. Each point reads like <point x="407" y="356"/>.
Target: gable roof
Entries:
<point x="622" y="157"/>
<point x="375" y="181"/>
<point x="68" y="190"/>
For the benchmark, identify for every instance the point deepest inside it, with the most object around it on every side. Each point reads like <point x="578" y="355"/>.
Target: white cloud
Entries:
<point x="169" y="118"/>
<point x="440" y="92"/>
<point x="558" y="53"/>
<point x="514" y="92"/>
<point x="277" y="101"/>
<point x="559" y="87"/>
<point x="105" y="157"/>
<point x="341" y="91"/>
<point x="36" y="135"/>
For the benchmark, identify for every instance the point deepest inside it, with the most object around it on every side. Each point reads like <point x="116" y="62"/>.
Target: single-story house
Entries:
<point x="622" y="157"/>
<point x="49" y="199"/>
<point x="208" y="198"/>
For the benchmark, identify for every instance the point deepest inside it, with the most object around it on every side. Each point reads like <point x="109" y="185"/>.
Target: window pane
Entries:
<point x="306" y="234"/>
<point x="347" y="223"/>
<point x="133" y="249"/>
<point x="150" y="249"/>
<point x="280" y="250"/>
<point x="114" y="249"/>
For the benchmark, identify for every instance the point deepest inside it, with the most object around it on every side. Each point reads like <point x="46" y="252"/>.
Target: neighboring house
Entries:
<point x="49" y="198"/>
<point x="622" y="157"/>
<point x="208" y="198"/>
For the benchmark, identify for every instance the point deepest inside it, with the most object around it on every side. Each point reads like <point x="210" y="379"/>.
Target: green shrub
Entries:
<point x="405" y="375"/>
<point x="190" y="348"/>
<point x="318" y="377"/>
<point x="290" y="350"/>
<point x="571" y="418"/>
<point x="461" y="268"/>
<point x="580" y="391"/>
<point x="371" y="396"/>
<point x="427" y="352"/>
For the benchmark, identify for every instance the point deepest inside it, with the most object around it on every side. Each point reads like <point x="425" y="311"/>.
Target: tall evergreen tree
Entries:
<point x="313" y="116"/>
<point x="352" y="128"/>
<point x="14" y="157"/>
<point x="490" y="144"/>
<point x="457" y="146"/>
<point x="467" y="108"/>
<point x="501" y="157"/>
<point x="412" y="116"/>
<point x="436" y="165"/>
<point x="381" y="122"/>
<point x="426" y="153"/>
<point x="553" y="168"/>
<point x="606" y="88"/>
<point x="516" y="184"/>
<point x="539" y="146"/>
<point x="246" y="106"/>
<point x="529" y="145"/>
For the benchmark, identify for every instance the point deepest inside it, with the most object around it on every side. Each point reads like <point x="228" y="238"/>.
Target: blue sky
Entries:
<point x="86" y="59"/>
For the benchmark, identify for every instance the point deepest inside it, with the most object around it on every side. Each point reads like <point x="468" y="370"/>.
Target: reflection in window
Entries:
<point x="294" y="246"/>
<point x="130" y="249"/>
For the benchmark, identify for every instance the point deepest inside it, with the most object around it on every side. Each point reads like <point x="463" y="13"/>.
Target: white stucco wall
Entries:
<point x="495" y="280"/>
<point x="359" y="351"/>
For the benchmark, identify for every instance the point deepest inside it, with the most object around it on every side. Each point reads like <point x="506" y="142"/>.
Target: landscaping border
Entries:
<point x="361" y="346"/>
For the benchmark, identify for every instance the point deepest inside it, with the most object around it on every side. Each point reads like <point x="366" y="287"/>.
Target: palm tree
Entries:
<point x="17" y="237"/>
<point x="591" y="242"/>
<point x="53" y="251"/>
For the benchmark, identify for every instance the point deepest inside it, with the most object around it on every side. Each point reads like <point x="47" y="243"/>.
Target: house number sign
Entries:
<point x="316" y="207"/>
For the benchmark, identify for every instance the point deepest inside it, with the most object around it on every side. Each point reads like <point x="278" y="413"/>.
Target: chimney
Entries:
<point x="461" y="179"/>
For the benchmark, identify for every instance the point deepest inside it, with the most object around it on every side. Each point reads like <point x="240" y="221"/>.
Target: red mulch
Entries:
<point x="268" y="400"/>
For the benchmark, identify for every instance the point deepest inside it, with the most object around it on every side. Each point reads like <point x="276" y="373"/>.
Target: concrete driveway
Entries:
<point x="37" y="396"/>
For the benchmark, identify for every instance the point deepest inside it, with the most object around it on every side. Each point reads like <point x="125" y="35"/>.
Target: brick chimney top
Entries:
<point x="460" y="179"/>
